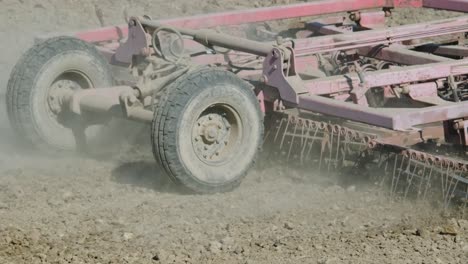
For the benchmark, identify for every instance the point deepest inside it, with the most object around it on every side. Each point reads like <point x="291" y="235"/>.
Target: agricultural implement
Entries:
<point x="338" y="91"/>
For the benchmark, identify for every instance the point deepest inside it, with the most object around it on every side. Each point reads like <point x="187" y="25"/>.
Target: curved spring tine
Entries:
<point x="428" y="183"/>
<point x="325" y="141"/>
<point x="279" y="129"/>
<point x="410" y="179"/>
<point x="292" y="141"/>
<point x="421" y="180"/>
<point x="312" y="143"/>
<point x="395" y="180"/>
<point x="337" y="149"/>
<point x="284" y="134"/>
<point x="330" y="147"/>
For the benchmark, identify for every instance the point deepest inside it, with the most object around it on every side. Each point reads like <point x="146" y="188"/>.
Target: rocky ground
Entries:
<point x="123" y="209"/>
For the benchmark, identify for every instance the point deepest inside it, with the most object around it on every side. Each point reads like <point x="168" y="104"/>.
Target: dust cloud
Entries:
<point x="121" y="208"/>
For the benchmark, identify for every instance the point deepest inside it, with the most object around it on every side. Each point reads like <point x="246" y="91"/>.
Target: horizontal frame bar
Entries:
<point x="251" y="16"/>
<point x="455" y="5"/>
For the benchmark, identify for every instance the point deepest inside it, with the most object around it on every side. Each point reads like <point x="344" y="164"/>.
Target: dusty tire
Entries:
<point x="207" y="131"/>
<point x="52" y="65"/>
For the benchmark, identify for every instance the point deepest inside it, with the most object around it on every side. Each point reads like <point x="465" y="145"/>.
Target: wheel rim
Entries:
<point x="216" y="133"/>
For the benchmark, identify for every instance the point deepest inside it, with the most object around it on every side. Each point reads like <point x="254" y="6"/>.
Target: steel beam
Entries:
<point x="418" y="73"/>
<point x="250" y="16"/>
<point x="401" y="55"/>
<point x="389" y="36"/>
<point x="455" y="5"/>
<point x="391" y="118"/>
<point x="446" y="50"/>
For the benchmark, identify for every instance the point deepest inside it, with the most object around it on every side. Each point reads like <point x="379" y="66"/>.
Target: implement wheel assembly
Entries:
<point x="41" y="79"/>
<point x="207" y="131"/>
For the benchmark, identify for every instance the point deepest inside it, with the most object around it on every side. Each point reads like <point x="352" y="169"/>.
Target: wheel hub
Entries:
<point x="211" y="133"/>
<point x="58" y="93"/>
<point x="212" y="136"/>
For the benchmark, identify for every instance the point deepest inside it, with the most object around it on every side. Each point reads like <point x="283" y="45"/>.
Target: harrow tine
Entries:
<point x="421" y="179"/>
<point x="312" y="143"/>
<point x="337" y="149"/>
<point x="411" y="177"/>
<point x="465" y="202"/>
<point x="451" y="191"/>
<point x="345" y="150"/>
<point x="386" y="175"/>
<point x="305" y="133"/>
<point x="393" y="187"/>
<point x="330" y="147"/>
<point x="325" y="141"/>
<point x="292" y="141"/>
<point x="284" y="134"/>
<point x="279" y="129"/>
<point x="444" y="180"/>
<point x="428" y="182"/>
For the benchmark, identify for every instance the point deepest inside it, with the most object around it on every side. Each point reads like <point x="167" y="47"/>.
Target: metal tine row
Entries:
<point x="411" y="175"/>
<point x="334" y="147"/>
<point x="305" y="138"/>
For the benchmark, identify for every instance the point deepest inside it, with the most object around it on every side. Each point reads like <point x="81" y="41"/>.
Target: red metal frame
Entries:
<point x="383" y="44"/>
<point x="252" y="16"/>
<point x="455" y="5"/>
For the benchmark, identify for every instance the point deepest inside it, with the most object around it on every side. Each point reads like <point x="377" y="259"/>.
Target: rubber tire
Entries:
<point x="27" y="86"/>
<point x="176" y="113"/>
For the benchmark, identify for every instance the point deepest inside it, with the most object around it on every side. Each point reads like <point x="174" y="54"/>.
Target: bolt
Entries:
<point x="217" y="153"/>
<point x="199" y="124"/>
<point x="196" y="139"/>
<point x="210" y="117"/>
<point x="205" y="148"/>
